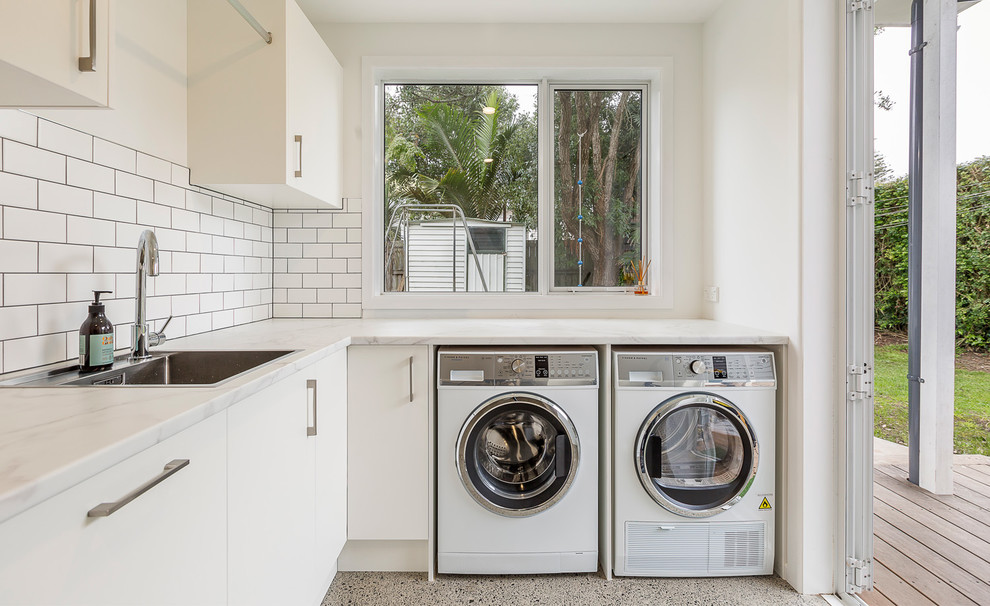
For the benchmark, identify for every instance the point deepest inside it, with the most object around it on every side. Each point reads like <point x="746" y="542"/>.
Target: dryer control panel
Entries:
<point x="694" y="369"/>
<point x="512" y="367"/>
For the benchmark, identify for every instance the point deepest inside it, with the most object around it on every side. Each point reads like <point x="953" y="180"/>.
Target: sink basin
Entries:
<point x="188" y="368"/>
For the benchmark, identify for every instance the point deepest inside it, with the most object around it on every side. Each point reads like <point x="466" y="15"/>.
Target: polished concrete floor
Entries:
<point x="402" y="588"/>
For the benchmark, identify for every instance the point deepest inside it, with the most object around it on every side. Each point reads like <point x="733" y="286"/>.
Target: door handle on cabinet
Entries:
<point x="299" y="170"/>
<point x="105" y="509"/>
<point x="88" y="64"/>
<point x="311" y="393"/>
<point x="410" y="379"/>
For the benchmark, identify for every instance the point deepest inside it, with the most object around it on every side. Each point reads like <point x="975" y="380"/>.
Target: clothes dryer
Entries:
<point x="693" y="462"/>
<point x="517" y="460"/>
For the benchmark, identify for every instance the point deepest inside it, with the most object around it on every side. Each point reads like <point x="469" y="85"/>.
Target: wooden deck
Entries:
<point x="931" y="549"/>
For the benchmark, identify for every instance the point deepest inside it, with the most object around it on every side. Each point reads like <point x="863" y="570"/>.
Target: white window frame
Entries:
<point x="655" y="73"/>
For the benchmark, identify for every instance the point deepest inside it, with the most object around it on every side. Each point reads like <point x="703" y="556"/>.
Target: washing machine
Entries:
<point x="517" y="460"/>
<point x="693" y="462"/>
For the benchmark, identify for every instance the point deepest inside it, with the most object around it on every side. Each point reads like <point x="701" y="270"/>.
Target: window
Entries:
<point x="447" y="230"/>
<point x="462" y="175"/>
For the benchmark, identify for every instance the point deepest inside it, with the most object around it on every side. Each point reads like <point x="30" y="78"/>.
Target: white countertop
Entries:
<point x="54" y="438"/>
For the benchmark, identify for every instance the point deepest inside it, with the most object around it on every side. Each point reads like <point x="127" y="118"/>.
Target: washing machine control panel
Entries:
<point x="656" y="369"/>
<point x="519" y="367"/>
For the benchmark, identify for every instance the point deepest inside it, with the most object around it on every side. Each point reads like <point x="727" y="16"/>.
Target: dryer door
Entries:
<point x="696" y="454"/>
<point x="517" y="454"/>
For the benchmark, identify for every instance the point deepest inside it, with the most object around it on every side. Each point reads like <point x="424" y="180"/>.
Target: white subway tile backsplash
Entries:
<point x="171" y="239"/>
<point x="83" y="230"/>
<point x="243" y="213"/>
<point x="346" y="310"/>
<point x="223" y="208"/>
<point x="115" y="208"/>
<point x="80" y="287"/>
<point x="38" y="226"/>
<point x="199" y="283"/>
<point x="346" y="280"/>
<point x="31" y="289"/>
<point x="200" y="243"/>
<point x="286" y="310"/>
<point x="19" y="126"/>
<point x="233" y="264"/>
<point x="317" y="310"/>
<point x="334" y="235"/>
<point x="317" y="251"/>
<point x="330" y="295"/>
<point x="169" y="195"/>
<point x="246" y="248"/>
<point x="114" y="156"/>
<point x="347" y="219"/>
<point x="223" y="246"/>
<point x="133" y="186"/>
<point x="154" y="168"/>
<point x="61" y="317"/>
<point x="317" y="220"/>
<point x="332" y="266"/>
<point x="17" y="322"/>
<point x="183" y="262"/>
<point x="64" y="199"/>
<point x="17" y="190"/>
<point x="198" y="202"/>
<point x="233" y="229"/>
<point x="154" y="214"/>
<point x="211" y="301"/>
<point x="301" y="235"/>
<point x="180" y="176"/>
<point x="33" y="351"/>
<point x="64" y="140"/>
<point x="223" y="282"/>
<point x="233" y="299"/>
<point x="346" y="250"/>
<point x="199" y="323"/>
<point x="64" y="258"/>
<point x="185" y="220"/>
<point x="91" y="176"/>
<point x="211" y="225"/>
<point x="301" y="295"/>
<point x="19" y="257"/>
<point x="302" y="266"/>
<point x="114" y="260"/>
<point x="185" y="305"/>
<point x="169" y="284"/>
<point x="223" y="319"/>
<point x="30" y="161"/>
<point x="319" y="281"/>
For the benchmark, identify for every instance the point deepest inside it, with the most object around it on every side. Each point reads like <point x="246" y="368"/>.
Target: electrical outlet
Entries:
<point x="711" y="294"/>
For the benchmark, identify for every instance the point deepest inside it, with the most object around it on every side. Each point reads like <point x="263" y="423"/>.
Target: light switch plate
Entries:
<point x="711" y="294"/>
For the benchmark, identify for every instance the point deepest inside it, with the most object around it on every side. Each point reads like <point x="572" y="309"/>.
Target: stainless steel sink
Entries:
<point x="178" y="368"/>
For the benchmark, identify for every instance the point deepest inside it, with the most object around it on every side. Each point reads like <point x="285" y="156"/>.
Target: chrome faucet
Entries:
<point x="147" y="265"/>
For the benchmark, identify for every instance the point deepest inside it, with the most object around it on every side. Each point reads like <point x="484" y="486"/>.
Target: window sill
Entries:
<point x="562" y="301"/>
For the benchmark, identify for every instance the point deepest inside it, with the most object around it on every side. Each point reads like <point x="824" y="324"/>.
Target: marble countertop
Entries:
<point x="53" y="438"/>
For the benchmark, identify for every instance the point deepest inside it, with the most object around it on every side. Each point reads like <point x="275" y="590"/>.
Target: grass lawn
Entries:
<point x="972" y="431"/>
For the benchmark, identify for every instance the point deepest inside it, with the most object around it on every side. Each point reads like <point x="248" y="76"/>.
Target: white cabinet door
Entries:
<point x="167" y="546"/>
<point x="314" y="86"/>
<point x="248" y="102"/>
<point x="331" y="464"/>
<point x="388" y="442"/>
<point x="40" y="48"/>
<point x="270" y="497"/>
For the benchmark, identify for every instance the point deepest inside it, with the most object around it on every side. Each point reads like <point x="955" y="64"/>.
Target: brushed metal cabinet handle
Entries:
<point x="410" y="379"/>
<point x="311" y="389"/>
<point x="299" y="170"/>
<point x="88" y="64"/>
<point x="105" y="509"/>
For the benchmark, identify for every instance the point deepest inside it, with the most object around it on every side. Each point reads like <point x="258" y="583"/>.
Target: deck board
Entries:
<point x="931" y="549"/>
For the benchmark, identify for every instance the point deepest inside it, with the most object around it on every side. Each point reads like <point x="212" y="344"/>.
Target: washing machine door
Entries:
<point x="696" y="454"/>
<point x="517" y="454"/>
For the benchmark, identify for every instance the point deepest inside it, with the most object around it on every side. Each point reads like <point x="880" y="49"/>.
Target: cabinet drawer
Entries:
<point x="166" y="546"/>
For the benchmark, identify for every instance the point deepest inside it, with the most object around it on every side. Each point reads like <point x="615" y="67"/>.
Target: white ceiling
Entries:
<point x="509" y="11"/>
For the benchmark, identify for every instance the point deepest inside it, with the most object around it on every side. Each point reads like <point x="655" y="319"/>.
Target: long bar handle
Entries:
<point x="410" y="379"/>
<point x="311" y="389"/>
<point x="105" y="509"/>
<point x="88" y="64"/>
<point x="299" y="141"/>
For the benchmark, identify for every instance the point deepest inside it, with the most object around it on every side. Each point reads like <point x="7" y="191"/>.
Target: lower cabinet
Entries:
<point x="166" y="546"/>
<point x="388" y="449"/>
<point x="286" y="492"/>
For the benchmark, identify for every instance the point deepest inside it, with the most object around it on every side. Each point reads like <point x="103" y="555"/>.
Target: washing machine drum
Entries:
<point x="517" y="454"/>
<point x="696" y="454"/>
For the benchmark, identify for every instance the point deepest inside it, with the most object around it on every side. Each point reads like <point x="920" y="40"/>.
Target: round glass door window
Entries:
<point x="696" y="455"/>
<point x="517" y="454"/>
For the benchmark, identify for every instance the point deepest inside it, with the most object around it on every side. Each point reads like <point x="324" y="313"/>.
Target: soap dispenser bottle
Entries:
<point x="96" y="337"/>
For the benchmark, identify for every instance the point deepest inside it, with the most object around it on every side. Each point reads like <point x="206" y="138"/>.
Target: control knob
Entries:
<point x="518" y="366"/>
<point x="697" y="367"/>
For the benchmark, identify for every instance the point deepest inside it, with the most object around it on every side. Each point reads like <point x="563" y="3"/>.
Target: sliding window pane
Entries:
<point x="598" y="187"/>
<point x="460" y="188"/>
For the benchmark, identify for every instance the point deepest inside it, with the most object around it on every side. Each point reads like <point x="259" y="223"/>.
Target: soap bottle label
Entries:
<point x="100" y="349"/>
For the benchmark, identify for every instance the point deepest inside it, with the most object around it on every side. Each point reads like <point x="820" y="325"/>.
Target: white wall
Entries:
<point x="351" y="42"/>
<point x="147" y="81"/>
<point x="772" y="204"/>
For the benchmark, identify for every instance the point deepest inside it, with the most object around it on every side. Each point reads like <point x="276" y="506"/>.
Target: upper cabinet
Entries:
<point x="264" y="119"/>
<point x="55" y="53"/>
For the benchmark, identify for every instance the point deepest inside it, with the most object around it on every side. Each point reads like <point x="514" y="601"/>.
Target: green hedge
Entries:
<point x="972" y="253"/>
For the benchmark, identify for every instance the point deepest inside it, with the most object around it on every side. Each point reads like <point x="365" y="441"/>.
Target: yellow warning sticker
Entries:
<point x="765" y="504"/>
